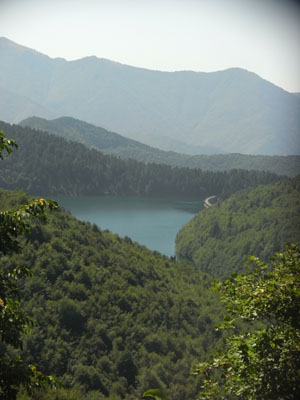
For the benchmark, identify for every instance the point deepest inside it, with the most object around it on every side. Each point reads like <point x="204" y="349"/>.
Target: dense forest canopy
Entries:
<point x="47" y="164"/>
<point x="253" y="221"/>
<point x="112" y="143"/>
<point x="112" y="316"/>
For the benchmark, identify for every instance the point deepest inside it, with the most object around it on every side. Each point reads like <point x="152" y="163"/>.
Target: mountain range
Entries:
<point x="193" y="112"/>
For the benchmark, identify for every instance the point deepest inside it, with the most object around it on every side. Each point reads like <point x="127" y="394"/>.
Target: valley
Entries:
<point x="134" y="281"/>
<point x="108" y="308"/>
<point x="114" y="318"/>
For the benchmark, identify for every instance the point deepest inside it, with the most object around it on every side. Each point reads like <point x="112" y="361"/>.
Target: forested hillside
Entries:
<point x="47" y="164"/>
<point x="112" y="316"/>
<point x="257" y="221"/>
<point x="112" y="143"/>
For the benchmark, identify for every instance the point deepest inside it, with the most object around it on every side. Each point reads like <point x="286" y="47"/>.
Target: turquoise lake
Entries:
<point x="151" y="222"/>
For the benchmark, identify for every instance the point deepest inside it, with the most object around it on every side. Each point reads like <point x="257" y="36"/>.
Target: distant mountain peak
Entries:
<point x="5" y="42"/>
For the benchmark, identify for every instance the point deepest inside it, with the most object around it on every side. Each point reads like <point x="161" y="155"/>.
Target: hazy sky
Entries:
<point x="262" y="36"/>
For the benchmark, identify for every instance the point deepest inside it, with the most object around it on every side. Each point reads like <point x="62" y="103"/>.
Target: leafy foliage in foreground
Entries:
<point x="13" y="321"/>
<point x="6" y="144"/>
<point x="258" y="221"/>
<point x="113" y="317"/>
<point x="48" y="165"/>
<point x="264" y="364"/>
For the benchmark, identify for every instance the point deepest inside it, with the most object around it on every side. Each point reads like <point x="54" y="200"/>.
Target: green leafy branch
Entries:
<point x="263" y="363"/>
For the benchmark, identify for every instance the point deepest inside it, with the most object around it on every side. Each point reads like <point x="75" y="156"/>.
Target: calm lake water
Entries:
<point x="152" y="222"/>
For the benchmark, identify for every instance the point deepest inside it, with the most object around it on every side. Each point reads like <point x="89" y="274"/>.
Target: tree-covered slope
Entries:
<point x="257" y="221"/>
<point x="224" y="111"/>
<point x="112" y="316"/>
<point x="47" y="164"/>
<point x="91" y="136"/>
<point x="112" y="143"/>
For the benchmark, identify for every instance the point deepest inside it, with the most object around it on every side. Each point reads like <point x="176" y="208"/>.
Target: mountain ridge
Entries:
<point x="4" y="40"/>
<point x="49" y="165"/>
<point x="113" y="143"/>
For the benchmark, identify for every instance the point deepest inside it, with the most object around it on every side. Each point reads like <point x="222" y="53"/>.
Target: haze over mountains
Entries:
<point x="225" y="111"/>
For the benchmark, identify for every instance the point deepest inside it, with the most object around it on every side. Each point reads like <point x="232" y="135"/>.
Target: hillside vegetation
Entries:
<point x="253" y="221"/>
<point x="112" y="316"/>
<point x="232" y="111"/>
<point x="112" y="143"/>
<point x="47" y="164"/>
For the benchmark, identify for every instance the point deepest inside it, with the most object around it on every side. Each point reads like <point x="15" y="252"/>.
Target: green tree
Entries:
<point x="13" y="322"/>
<point x="261" y="363"/>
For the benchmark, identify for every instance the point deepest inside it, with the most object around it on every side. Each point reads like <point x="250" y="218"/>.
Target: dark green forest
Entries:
<point x="112" y="316"/>
<point x="112" y="143"/>
<point x="48" y="165"/>
<point x="253" y="221"/>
